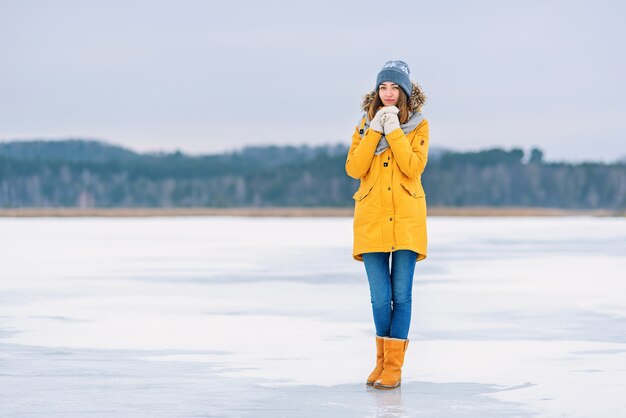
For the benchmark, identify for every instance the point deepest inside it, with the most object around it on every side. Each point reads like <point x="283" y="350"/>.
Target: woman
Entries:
<point x="388" y="154"/>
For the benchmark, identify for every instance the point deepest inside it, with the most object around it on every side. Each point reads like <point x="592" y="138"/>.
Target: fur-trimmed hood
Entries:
<point x="416" y="101"/>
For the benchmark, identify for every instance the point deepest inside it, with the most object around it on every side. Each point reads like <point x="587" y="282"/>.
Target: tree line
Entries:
<point x="94" y="174"/>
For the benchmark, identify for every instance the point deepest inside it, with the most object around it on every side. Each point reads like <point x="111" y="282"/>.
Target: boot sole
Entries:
<point x="383" y="387"/>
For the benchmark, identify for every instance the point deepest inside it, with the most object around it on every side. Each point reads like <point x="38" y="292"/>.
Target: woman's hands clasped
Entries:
<point x="377" y="122"/>
<point x="390" y="122"/>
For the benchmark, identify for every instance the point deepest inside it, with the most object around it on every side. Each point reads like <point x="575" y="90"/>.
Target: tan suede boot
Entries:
<point x="380" y="354"/>
<point x="392" y="365"/>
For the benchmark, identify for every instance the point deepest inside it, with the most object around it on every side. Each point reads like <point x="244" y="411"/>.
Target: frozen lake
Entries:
<point x="271" y="317"/>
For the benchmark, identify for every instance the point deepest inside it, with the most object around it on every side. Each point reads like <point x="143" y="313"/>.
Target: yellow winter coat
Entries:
<point x="390" y="203"/>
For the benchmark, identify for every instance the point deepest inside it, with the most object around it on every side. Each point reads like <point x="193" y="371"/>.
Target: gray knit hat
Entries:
<point x="396" y="72"/>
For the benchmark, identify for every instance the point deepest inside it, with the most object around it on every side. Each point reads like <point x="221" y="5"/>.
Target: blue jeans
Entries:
<point x="391" y="287"/>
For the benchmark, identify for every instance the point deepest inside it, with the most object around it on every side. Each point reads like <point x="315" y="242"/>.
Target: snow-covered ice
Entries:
<point x="271" y="317"/>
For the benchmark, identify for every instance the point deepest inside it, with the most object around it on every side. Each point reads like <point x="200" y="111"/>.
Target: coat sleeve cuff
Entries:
<point x="395" y="134"/>
<point x="373" y="132"/>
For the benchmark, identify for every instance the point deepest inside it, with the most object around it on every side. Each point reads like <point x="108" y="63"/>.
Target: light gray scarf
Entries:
<point x="414" y="119"/>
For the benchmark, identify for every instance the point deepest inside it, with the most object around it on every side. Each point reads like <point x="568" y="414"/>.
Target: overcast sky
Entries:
<point x="205" y="77"/>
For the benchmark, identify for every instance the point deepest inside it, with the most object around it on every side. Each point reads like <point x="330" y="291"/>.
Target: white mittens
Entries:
<point x="390" y="122"/>
<point x="376" y="123"/>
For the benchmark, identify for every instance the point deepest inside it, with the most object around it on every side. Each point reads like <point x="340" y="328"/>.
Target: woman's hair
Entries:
<point x="403" y="105"/>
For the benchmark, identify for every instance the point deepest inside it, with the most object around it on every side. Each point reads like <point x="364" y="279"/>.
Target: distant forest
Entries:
<point x="94" y="174"/>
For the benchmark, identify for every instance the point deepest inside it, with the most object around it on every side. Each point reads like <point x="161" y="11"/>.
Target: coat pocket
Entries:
<point x="363" y="191"/>
<point x="413" y="187"/>
<point x="365" y="187"/>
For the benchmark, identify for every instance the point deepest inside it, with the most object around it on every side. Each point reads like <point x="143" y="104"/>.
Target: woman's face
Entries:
<point x="389" y="93"/>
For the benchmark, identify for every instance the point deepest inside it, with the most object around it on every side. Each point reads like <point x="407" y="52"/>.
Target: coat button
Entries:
<point x="388" y="188"/>
<point x="388" y="157"/>
<point x="385" y="163"/>
<point x="391" y="219"/>
<point x="393" y="248"/>
<point x="422" y="142"/>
